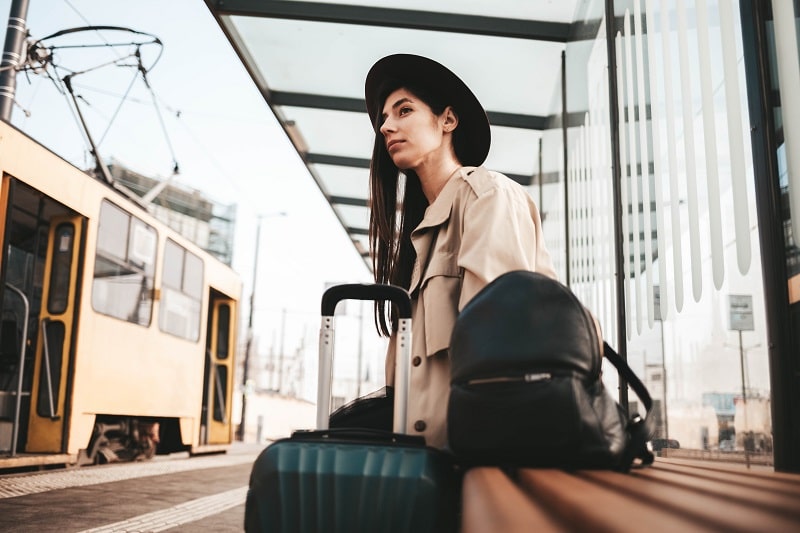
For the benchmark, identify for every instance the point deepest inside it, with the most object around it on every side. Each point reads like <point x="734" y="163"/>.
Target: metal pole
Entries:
<point x="12" y="56"/>
<point x="744" y="403"/>
<point x="101" y="167"/>
<point x="619" y="209"/>
<point x="781" y="347"/>
<point x="541" y="179"/>
<point x="240" y="430"/>
<point x="664" y="381"/>
<point x="564" y="127"/>
<point x="360" y="346"/>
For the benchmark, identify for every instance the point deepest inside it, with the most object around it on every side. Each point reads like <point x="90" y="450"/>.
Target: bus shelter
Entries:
<point x="659" y="139"/>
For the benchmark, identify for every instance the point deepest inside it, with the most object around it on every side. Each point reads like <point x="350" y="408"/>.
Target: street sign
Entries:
<point x="657" y="303"/>
<point x="740" y="309"/>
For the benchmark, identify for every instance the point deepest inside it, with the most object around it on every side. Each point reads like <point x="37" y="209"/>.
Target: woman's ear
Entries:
<point x="450" y="119"/>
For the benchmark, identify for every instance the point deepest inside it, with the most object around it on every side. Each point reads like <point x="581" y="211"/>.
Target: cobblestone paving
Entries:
<point x="184" y="513"/>
<point x="22" y="485"/>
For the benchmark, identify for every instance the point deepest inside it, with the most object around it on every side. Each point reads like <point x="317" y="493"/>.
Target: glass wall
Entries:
<point x="694" y="317"/>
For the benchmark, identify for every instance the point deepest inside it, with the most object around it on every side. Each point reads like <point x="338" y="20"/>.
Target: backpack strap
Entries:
<point x="640" y="429"/>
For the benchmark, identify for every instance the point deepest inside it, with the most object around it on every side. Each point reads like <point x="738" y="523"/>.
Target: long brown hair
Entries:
<point x="394" y="210"/>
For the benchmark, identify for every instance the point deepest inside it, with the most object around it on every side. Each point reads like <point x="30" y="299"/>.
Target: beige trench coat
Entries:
<point x="480" y="226"/>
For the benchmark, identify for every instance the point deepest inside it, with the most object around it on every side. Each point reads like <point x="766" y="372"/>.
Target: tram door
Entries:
<point x="51" y="376"/>
<point x="217" y="389"/>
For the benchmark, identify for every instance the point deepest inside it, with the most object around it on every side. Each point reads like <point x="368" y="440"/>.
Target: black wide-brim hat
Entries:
<point x="394" y="71"/>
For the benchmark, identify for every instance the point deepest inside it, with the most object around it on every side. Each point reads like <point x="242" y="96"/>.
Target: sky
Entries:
<point x="221" y="133"/>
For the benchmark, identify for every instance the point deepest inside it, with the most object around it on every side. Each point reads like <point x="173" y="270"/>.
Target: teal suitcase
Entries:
<point x="354" y="479"/>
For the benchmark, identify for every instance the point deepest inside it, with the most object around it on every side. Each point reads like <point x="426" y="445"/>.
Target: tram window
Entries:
<point x="173" y="265"/>
<point x="193" y="276"/>
<point x="223" y="331"/>
<point x="58" y="297"/>
<point x="222" y="392"/>
<point x="124" y="266"/>
<point x="181" y="292"/>
<point x="112" y="237"/>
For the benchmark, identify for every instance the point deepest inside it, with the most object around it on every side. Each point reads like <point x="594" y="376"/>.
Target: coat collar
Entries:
<point x="439" y="210"/>
<point x="435" y="215"/>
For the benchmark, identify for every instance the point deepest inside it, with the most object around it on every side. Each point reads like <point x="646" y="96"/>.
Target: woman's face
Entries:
<point x="412" y="133"/>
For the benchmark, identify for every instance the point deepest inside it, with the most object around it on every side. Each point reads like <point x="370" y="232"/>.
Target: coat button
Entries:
<point x="420" y="425"/>
<point x="416" y="361"/>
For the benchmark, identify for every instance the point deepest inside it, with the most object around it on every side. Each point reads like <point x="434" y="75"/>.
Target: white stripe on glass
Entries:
<point x="735" y="137"/>
<point x="655" y="106"/>
<point x="645" y="159"/>
<point x="672" y="157"/>
<point x="634" y="174"/>
<point x="710" y="136"/>
<point x="688" y="144"/>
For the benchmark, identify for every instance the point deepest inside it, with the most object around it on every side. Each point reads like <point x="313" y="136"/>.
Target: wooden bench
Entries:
<point x="672" y="495"/>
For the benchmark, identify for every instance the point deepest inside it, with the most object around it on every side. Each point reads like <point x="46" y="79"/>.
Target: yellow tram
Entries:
<point x="118" y="335"/>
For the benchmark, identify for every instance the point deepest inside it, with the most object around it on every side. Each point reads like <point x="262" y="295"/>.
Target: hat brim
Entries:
<point x="475" y="137"/>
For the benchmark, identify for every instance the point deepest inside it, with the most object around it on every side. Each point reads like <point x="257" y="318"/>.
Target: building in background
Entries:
<point x="208" y="224"/>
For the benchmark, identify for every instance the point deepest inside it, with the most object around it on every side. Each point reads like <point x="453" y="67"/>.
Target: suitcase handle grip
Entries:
<point x="366" y="291"/>
<point x="358" y="435"/>
<point x="361" y="291"/>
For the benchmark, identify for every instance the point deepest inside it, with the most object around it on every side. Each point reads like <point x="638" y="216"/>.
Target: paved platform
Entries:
<point x="168" y="494"/>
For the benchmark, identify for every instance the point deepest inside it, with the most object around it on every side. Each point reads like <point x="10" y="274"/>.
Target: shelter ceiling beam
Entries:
<point x="397" y="18"/>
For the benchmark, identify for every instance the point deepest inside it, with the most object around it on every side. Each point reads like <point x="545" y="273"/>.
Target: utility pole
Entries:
<point x="249" y="347"/>
<point x="12" y="56"/>
<point x="280" y="354"/>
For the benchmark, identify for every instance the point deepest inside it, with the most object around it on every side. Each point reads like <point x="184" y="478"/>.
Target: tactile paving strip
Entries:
<point x="22" y="485"/>
<point x="184" y="513"/>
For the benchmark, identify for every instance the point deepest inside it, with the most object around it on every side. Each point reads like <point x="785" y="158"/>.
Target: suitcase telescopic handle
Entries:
<point x="366" y="291"/>
<point x="374" y="292"/>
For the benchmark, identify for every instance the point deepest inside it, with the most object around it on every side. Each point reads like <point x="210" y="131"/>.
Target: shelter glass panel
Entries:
<point x="690" y="241"/>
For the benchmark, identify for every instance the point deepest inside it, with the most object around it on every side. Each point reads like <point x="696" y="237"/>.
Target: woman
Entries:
<point x="449" y="227"/>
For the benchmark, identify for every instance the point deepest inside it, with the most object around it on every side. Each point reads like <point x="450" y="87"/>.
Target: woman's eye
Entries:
<point x="404" y="110"/>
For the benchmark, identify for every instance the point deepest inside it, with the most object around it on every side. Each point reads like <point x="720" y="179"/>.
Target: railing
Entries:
<point x="738" y="457"/>
<point x="48" y="372"/>
<point x="21" y="372"/>
<point x="220" y="396"/>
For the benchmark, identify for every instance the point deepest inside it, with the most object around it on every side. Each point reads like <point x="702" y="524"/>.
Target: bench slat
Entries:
<point x="492" y="503"/>
<point x="787" y="503"/>
<point x="672" y="495"/>
<point x="705" y="502"/>
<point x="587" y="506"/>
<point x="757" y="471"/>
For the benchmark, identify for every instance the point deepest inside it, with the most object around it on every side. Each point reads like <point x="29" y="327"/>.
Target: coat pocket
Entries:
<point x="439" y="294"/>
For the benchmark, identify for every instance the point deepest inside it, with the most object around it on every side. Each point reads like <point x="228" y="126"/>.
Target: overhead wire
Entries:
<point x="42" y="59"/>
<point x="176" y="168"/>
<point x="116" y="111"/>
<point x="41" y="56"/>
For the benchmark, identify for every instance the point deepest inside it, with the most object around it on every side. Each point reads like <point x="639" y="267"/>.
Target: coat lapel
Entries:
<point x="423" y="237"/>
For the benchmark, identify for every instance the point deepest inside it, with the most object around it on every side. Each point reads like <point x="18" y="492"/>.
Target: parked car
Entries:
<point x="659" y="444"/>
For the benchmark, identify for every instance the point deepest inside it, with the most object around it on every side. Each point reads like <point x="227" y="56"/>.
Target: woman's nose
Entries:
<point x="387" y="126"/>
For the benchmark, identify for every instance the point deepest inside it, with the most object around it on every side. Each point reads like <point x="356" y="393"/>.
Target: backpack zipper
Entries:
<point x="529" y="378"/>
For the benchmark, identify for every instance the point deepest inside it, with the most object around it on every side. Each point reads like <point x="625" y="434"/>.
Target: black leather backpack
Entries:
<point x="526" y="386"/>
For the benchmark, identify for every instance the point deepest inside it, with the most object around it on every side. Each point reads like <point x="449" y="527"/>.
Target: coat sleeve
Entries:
<point x="502" y="232"/>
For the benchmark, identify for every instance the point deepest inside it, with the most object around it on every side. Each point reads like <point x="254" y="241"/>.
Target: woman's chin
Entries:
<point x="403" y="163"/>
